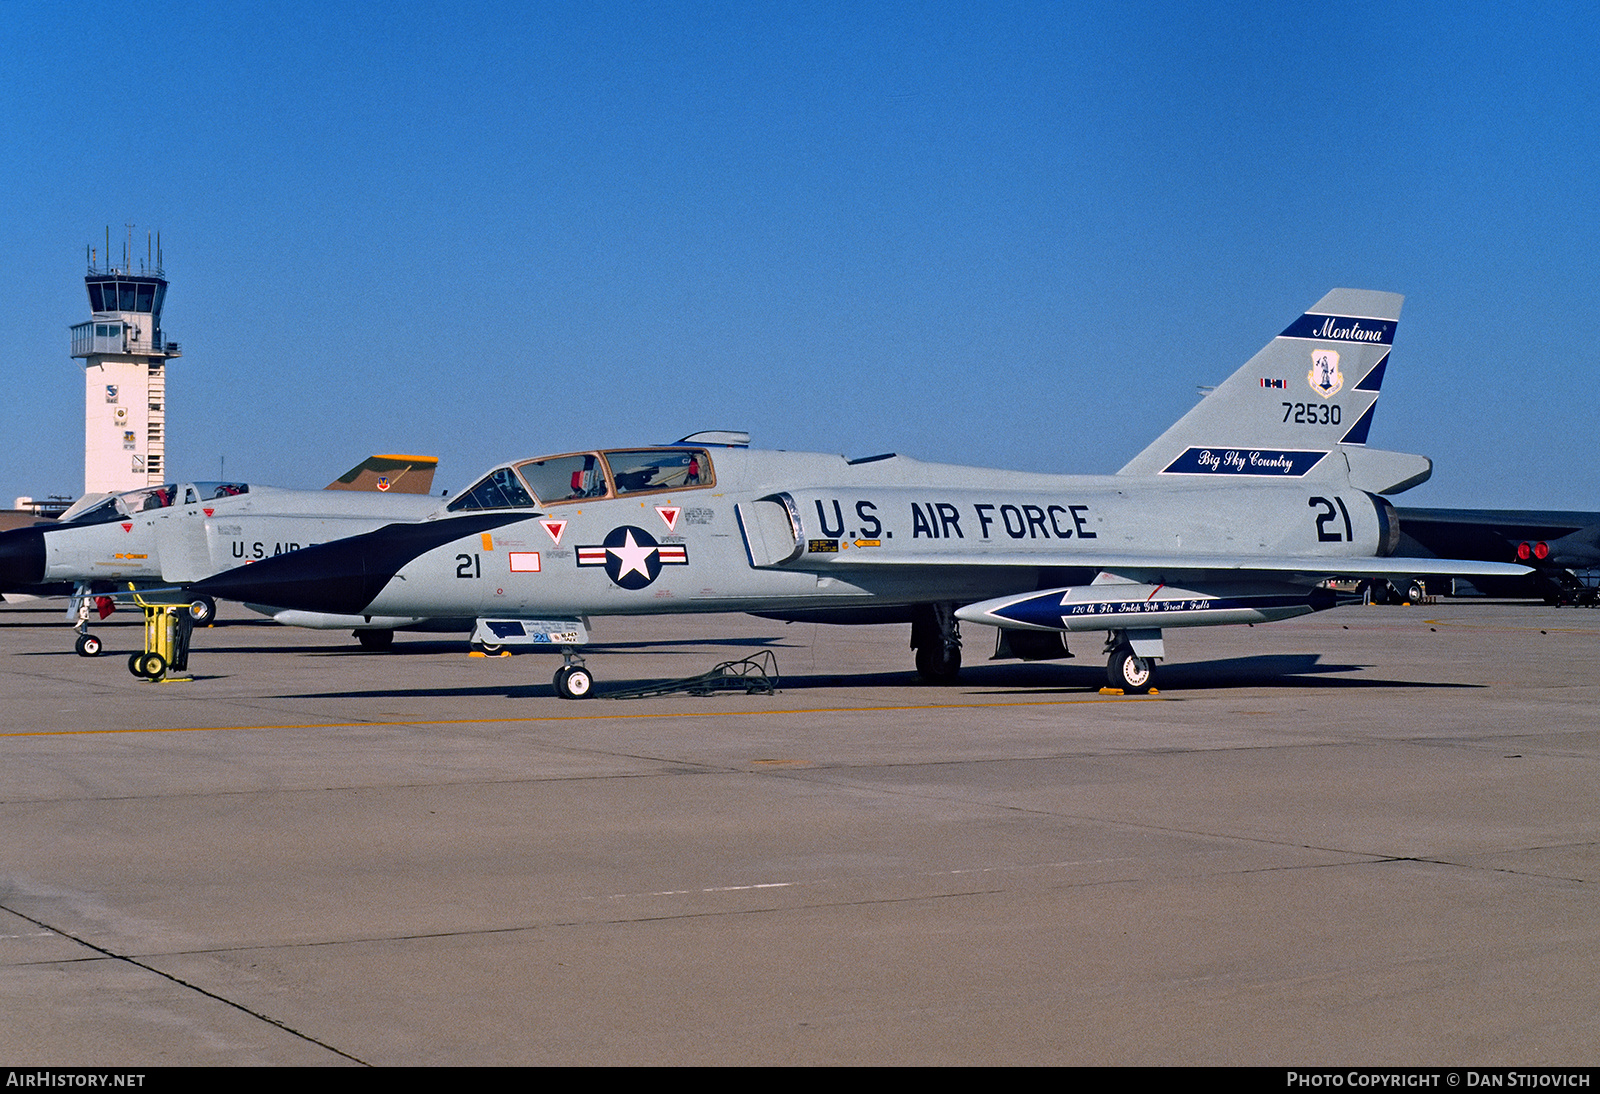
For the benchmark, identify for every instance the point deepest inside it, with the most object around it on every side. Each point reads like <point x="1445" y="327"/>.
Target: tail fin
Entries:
<point x="395" y="474"/>
<point x="1302" y="406"/>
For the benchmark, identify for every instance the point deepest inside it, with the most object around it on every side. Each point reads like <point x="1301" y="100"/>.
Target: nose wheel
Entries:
<point x="573" y="682"/>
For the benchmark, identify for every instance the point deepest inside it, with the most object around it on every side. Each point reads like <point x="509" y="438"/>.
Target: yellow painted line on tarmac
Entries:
<point x="571" y="718"/>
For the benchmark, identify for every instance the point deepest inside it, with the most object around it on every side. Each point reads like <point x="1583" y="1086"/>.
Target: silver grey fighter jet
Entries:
<point x="1242" y="512"/>
<point x="164" y="538"/>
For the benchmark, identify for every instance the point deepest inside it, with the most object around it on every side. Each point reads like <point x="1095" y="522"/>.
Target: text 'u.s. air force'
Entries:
<point x="947" y="520"/>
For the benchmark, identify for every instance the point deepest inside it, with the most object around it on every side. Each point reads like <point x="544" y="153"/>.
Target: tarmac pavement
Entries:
<point x="1368" y="836"/>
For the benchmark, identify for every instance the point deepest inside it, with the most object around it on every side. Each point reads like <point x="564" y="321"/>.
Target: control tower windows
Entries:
<point x="126" y="294"/>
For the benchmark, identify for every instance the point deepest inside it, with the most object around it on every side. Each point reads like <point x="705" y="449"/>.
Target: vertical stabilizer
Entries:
<point x="393" y="474"/>
<point x="1312" y="388"/>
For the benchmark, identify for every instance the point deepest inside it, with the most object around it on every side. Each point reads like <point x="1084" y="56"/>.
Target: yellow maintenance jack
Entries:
<point x="165" y="657"/>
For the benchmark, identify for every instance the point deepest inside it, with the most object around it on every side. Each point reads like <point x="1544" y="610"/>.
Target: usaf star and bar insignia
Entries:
<point x="632" y="557"/>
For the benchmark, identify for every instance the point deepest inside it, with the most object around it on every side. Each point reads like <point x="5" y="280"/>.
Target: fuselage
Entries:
<point x="648" y="531"/>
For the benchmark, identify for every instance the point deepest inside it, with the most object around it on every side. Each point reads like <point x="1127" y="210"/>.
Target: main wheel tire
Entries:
<point x="88" y="646"/>
<point x="375" y="640"/>
<point x="203" y="611"/>
<point x="573" y="682"/>
<point x="939" y="664"/>
<point x="1130" y="672"/>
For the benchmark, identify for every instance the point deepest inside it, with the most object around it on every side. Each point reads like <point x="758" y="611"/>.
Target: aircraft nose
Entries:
<point x="21" y="558"/>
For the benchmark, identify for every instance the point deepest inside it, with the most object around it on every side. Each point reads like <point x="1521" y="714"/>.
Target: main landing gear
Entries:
<point x="1128" y="671"/>
<point x="936" y="636"/>
<point x="1131" y="664"/>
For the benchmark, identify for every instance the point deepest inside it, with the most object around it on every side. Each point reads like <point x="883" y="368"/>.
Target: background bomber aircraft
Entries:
<point x="1561" y="546"/>
<point x="164" y="538"/>
<point x="1239" y="513"/>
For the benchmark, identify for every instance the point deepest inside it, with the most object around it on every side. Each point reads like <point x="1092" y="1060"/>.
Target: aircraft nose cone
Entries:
<point x="21" y="558"/>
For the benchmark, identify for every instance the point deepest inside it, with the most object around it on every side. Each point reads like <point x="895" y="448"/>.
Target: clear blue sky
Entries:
<point x="1017" y="235"/>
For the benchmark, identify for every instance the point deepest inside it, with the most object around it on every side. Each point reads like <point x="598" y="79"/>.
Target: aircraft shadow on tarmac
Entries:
<point x="1293" y="670"/>
<point x="1272" y="670"/>
<point x="404" y="646"/>
<point x="1286" y="670"/>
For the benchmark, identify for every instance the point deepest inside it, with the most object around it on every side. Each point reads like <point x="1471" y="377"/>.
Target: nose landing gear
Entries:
<point x="573" y="681"/>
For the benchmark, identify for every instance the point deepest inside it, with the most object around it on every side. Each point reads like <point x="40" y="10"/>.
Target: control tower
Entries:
<point x="125" y="374"/>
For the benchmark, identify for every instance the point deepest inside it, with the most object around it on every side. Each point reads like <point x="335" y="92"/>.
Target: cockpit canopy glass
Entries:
<point x="150" y="498"/>
<point x="555" y="480"/>
<point x="499" y="489"/>
<point x="211" y="491"/>
<point x="658" y="469"/>
<point x="565" y="478"/>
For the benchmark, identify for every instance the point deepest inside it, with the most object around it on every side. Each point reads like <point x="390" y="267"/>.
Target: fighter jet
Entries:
<point x="1242" y="512"/>
<point x="163" y="538"/>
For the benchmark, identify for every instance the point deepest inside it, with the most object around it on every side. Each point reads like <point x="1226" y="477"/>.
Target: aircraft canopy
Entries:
<point x="126" y="504"/>
<point x="556" y="480"/>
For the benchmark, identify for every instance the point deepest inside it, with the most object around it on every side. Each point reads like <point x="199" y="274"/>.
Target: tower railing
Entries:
<point x="127" y="271"/>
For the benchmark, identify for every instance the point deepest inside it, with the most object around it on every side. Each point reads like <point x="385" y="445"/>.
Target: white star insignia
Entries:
<point x="632" y="558"/>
